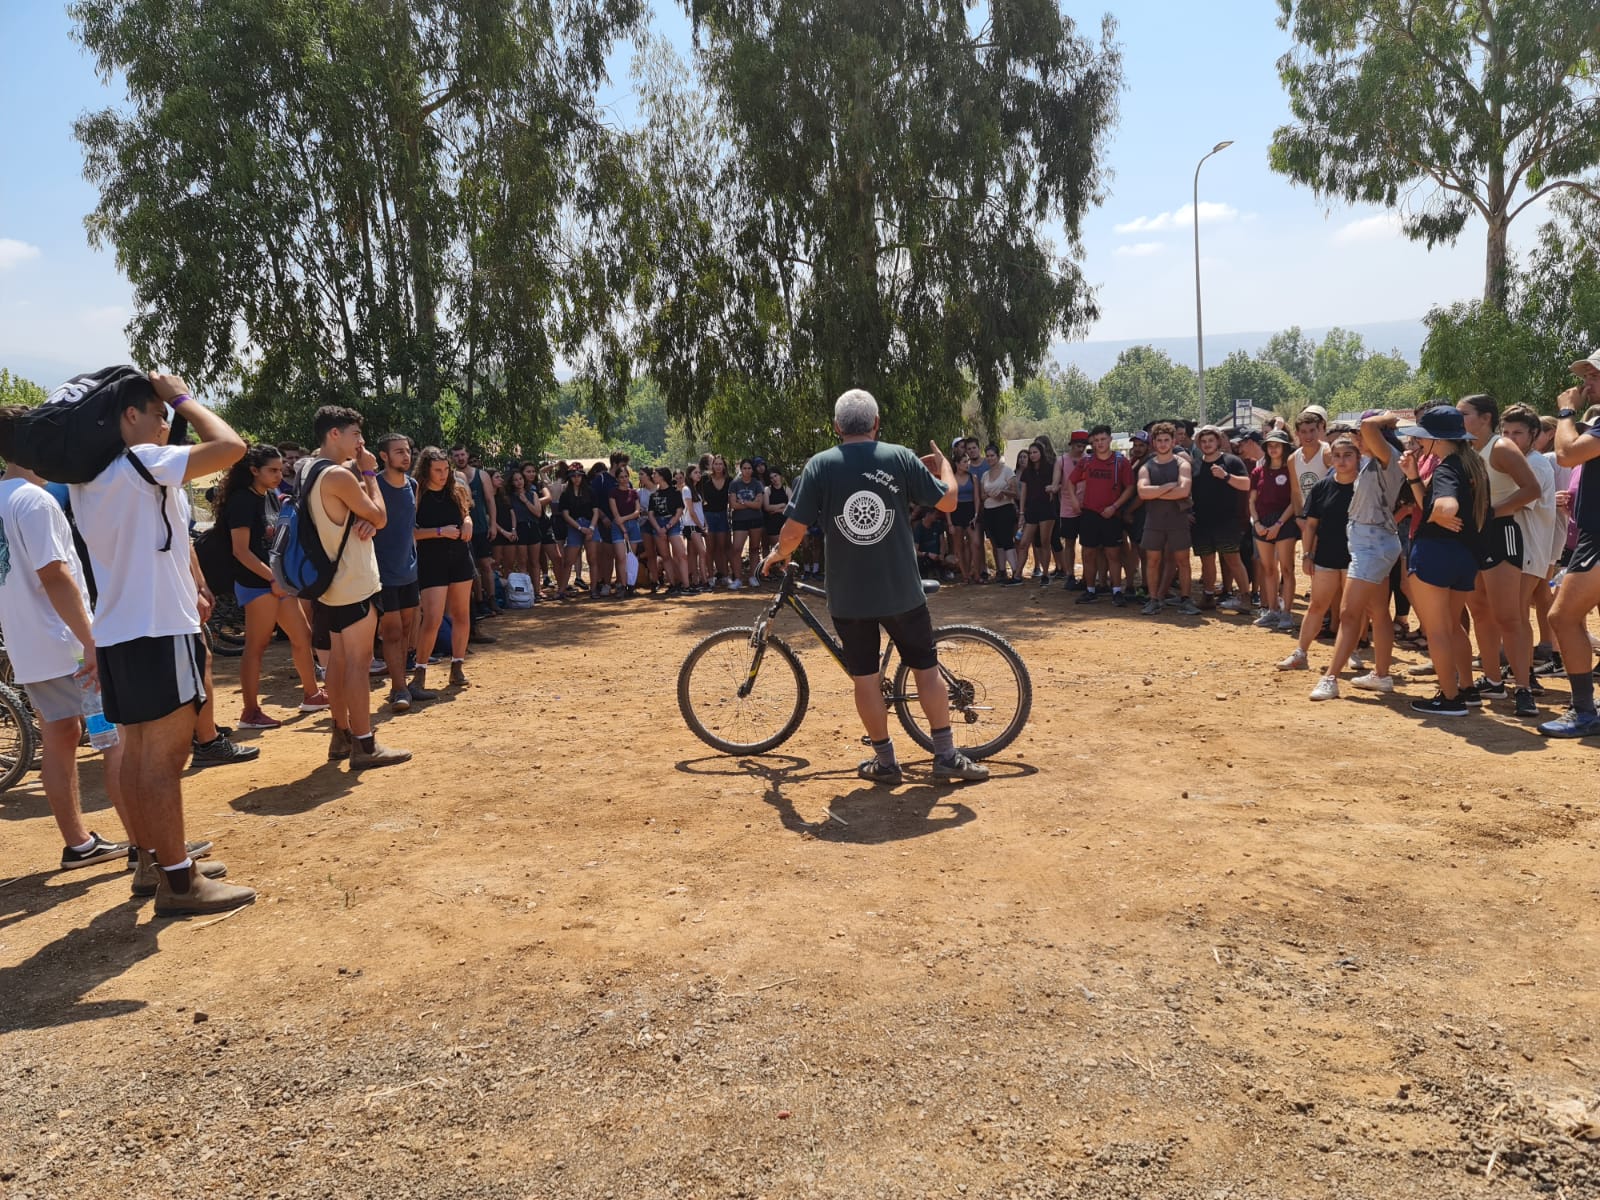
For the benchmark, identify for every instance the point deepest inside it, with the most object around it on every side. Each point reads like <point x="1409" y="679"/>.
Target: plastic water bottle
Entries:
<point x="102" y="733"/>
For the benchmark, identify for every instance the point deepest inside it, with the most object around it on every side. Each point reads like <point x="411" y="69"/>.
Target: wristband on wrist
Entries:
<point x="179" y="399"/>
<point x="370" y="474"/>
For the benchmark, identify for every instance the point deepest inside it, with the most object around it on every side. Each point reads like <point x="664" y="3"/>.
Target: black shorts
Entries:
<point x="329" y="619"/>
<point x="441" y="563"/>
<point x="482" y="544"/>
<point x="1218" y="539"/>
<point x="152" y="677"/>
<point x="1585" y="555"/>
<point x="400" y="597"/>
<point x="1500" y="542"/>
<point x="1000" y="526"/>
<point x="1038" y="516"/>
<point x="911" y="632"/>
<point x="1101" y="533"/>
<point x="1068" y="529"/>
<point x="963" y="515"/>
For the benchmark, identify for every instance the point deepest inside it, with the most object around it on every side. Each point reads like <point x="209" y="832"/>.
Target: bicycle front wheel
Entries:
<point x="991" y="692"/>
<point x="775" y="687"/>
<point x="18" y="737"/>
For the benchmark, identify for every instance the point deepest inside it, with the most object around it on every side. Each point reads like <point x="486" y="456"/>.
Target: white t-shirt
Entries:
<point x="142" y="592"/>
<point x="34" y="533"/>
<point x="1537" y="521"/>
<point x="691" y="502"/>
<point x="996" y="482"/>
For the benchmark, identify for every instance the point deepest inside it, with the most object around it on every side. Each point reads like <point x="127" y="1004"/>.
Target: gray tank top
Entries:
<point x="1164" y="515"/>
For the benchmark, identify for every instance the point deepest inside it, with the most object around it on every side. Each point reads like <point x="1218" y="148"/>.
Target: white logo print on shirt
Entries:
<point x="866" y="519"/>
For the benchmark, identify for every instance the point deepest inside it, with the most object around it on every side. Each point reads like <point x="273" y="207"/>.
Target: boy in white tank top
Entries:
<point x="1312" y="459"/>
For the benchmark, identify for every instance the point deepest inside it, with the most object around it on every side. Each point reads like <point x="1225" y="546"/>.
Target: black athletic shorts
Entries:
<point x="400" y="597"/>
<point x="1500" y="542"/>
<point x="482" y="544"/>
<point x="1586" y="554"/>
<point x="911" y="632"/>
<point x="1101" y="533"/>
<point x="329" y="619"/>
<point x="149" y="678"/>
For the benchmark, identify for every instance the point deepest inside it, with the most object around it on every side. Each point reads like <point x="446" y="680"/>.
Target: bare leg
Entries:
<point x="351" y="697"/>
<point x="58" y="772"/>
<point x="874" y="712"/>
<point x="152" y="769"/>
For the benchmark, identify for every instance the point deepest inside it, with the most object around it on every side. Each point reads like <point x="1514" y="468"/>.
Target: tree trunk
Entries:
<point x="1497" y="265"/>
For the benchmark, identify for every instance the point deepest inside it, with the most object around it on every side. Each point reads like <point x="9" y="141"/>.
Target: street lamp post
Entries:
<point x="1199" y="325"/>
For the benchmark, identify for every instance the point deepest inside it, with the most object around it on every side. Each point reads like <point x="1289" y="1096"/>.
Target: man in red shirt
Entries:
<point x="1105" y="486"/>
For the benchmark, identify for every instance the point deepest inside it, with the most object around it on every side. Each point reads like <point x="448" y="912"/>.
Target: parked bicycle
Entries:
<point x="740" y="699"/>
<point x="19" y="729"/>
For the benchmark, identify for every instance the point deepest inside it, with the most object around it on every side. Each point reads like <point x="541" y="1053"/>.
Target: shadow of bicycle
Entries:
<point x="868" y="814"/>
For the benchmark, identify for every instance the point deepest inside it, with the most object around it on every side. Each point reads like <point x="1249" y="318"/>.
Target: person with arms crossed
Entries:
<point x="861" y="492"/>
<point x="400" y="601"/>
<point x="1165" y="480"/>
<point x="1577" y="445"/>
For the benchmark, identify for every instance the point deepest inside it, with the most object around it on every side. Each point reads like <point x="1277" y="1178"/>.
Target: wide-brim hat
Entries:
<point x="1279" y="436"/>
<point x="1442" y="424"/>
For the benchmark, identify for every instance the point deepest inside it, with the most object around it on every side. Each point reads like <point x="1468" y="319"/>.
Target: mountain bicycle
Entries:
<point x="20" y="742"/>
<point x="742" y="690"/>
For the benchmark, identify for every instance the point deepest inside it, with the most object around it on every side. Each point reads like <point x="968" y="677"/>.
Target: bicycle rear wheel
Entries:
<point x="991" y="692"/>
<point x="765" y="717"/>
<point x="19" y="739"/>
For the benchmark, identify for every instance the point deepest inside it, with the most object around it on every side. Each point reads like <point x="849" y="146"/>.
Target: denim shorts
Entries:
<point x="618" y="534"/>
<point x="1445" y="563"/>
<point x="575" y="538"/>
<point x="248" y="595"/>
<point x="716" y="522"/>
<point x="1373" y="552"/>
<point x="634" y="534"/>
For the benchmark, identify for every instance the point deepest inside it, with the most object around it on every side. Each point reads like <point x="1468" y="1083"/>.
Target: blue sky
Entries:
<point x="1196" y="74"/>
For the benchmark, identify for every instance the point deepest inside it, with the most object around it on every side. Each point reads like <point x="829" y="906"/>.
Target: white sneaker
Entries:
<point x="734" y="585"/>
<point x="1373" y="682"/>
<point x="754" y="582"/>
<point x="1295" y="661"/>
<point x="605" y="589"/>
<point x="1267" y="620"/>
<point x="1287" y="622"/>
<point x="1357" y="663"/>
<point x="1327" y="688"/>
<point x="1232" y="605"/>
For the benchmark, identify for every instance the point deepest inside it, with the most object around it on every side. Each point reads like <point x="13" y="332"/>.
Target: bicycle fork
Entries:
<point x="758" y="640"/>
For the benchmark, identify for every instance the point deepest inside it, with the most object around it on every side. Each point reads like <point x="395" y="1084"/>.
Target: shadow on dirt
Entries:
<point x="46" y="989"/>
<point x="327" y="782"/>
<point x="868" y="814"/>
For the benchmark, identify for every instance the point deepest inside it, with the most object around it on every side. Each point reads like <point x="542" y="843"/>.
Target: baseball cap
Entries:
<point x="1079" y="435"/>
<point x="1141" y="436"/>
<point x="1278" y="435"/>
<point x="1442" y="424"/>
<point x="1252" y="435"/>
<point x="1584" y="365"/>
<point x="1313" y="410"/>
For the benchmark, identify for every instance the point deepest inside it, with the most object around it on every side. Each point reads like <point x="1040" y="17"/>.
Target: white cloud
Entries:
<point x="1210" y="214"/>
<point x="14" y="253"/>
<point x="1139" y="250"/>
<point x="1369" y="229"/>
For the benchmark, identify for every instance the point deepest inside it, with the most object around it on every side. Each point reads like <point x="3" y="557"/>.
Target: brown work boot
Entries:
<point x="204" y="895"/>
<point x="146" y="874"/>
<point x="378" y="756"/>
<point x="458" y="674"/>
<point x="339" y="744"/>
<point x="418" y="685"/>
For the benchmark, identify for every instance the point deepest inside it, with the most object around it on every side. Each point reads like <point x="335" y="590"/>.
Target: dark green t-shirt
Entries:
<point x="861" y="494"/>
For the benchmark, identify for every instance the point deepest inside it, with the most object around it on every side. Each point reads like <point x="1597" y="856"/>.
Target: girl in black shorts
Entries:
<point x="1038" y="509"/>
<point x="965" y="535"/>
<point x="445" y="570"/>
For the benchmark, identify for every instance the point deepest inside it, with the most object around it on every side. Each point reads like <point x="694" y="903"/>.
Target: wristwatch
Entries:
<point x="1567" y="414"/>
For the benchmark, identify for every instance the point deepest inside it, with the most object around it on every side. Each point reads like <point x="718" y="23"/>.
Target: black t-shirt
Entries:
<point x="665" y="504"/>
<point x="1215" y="502"/>
<point x="1449" y="479"/>
<point x="247" y="509"/>
<point x="577" y="505"/>
<point x="713" y="499"/>
<point x="1329" y="504"/>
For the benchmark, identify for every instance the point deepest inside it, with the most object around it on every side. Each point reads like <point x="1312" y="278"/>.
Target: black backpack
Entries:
<point x="77" y="432"/>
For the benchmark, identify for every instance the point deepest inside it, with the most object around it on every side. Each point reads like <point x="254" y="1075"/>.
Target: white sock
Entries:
<point x="85" y="847"/>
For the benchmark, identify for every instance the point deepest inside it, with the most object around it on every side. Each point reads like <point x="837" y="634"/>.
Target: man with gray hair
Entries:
<point x="861" y="493"/>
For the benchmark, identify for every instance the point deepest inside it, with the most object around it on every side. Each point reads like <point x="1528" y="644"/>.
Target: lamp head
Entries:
<point x="1221" y="146"/>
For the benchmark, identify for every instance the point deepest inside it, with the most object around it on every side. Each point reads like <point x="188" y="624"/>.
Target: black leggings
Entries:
<point x="1000" y="527"/>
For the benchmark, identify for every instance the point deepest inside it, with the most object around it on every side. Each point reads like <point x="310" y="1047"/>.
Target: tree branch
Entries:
<point x="1575" y="185"/>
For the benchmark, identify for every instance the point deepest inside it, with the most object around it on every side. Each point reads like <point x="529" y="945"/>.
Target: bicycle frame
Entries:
<point x="788" y="595"/>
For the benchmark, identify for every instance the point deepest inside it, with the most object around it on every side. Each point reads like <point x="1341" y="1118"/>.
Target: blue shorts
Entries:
<point x="717" y="522"/>
<point x="618" y="534"/>
<point x="1445" y="563"/>
<point x="574" y="537"/>
<point x="248" y="595"/>
<point x="1373" y="552"/>
<point x="634" y="535"/>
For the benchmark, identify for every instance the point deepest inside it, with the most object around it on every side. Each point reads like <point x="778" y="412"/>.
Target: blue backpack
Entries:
<point x="299" y="563"/>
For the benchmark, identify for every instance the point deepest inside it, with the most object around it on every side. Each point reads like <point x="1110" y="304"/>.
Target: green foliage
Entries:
<point x="1381" y="381"/>
<point x="1293" y="353"/>
<point x="1519" y="354"/>
<point x="1146" y="385"/>
<point x="859" y="201"/>
<point x="1054" y="404"/>
<point x="1442" y="109"/>
<point x="16" y="390"/>
<point x="1335" y="364"/>
<point x="387" y="200"/>
<point x="1240" y="377"/>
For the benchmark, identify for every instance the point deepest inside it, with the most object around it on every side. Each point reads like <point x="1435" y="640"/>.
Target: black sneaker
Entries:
<point x="1119" y="599"/>
<point x="1491" y="689"/>
<point x="874" y="771"/>
<point x="1440" y="707"/>
<point x="1525" y="705"/>
<point x="1552" y="667"/>
<point x="221" y="752"/>
<point x="959" y="766"/>
<point x="1471" y="697"/>
<point x="1534" y="685"/>
<point x="1088" y="597"/>
<point x="99" y="851"/>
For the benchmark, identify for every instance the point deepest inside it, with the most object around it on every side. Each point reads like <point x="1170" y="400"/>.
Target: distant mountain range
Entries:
<point x="1095" y="358"/>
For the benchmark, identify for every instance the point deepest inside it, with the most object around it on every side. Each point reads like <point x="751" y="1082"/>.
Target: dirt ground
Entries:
<point x="1197" y="938"/>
